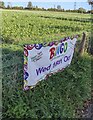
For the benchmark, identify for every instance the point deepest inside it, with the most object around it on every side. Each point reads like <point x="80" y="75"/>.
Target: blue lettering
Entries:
<point x="66" y="58"/>
<point x="61" y="48"/>
<point x="39" y="71"/>
<point x="42" y="69"/>
<point x="57" y="63"/>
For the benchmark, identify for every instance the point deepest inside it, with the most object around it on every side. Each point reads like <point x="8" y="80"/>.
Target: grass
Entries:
<point x="60" y="94"/>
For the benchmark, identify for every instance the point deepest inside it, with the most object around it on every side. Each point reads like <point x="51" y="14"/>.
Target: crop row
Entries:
<point x="23" y="26"/>
<point x="69" y="19"/>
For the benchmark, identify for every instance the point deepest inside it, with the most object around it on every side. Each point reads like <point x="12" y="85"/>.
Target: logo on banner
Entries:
<point x="58" y="50"/>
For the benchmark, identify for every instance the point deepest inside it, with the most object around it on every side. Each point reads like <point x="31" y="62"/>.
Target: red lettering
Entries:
<point x="52" y="52"/>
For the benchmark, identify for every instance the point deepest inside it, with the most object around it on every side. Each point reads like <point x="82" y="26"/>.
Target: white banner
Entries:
<point x="41" y="60"/>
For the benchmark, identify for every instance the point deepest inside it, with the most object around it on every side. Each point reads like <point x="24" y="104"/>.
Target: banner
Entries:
<point x="41" y="60"/>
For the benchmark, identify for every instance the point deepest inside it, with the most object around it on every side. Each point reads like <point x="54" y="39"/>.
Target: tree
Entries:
<point x="59" y="7"/>
<point x="29" y="5"/>
<point x="9" y="5"/>
<point x="2" y="4"/>
<point x="36" y="7"/>
<point x="82" y="10"/>
<point x="17" y="7"/>
<point x="90" y="2"/>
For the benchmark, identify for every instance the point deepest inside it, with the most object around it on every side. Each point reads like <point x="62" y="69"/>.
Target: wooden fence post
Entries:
<point x="82" y="44"/>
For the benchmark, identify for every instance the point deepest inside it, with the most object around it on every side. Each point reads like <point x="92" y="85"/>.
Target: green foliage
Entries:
<point x="60" y="94"/>
<point x="29" y="5"/>
<point x="90" y="2"/>
<point x="2" y="5"/>
<point x="59" y="7"/>
<point x="82" y="10"/>
<point x="17" y="7"/>
<point x="27" y="27"/>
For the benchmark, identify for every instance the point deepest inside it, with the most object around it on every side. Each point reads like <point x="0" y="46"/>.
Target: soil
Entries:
<point x="87" y="111"/>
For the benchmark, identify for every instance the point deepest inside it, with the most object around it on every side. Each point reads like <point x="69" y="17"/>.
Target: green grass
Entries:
<point x="60" y="94"/>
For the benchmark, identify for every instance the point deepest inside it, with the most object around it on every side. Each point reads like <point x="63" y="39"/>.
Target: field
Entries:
<point x="61" y="94"/>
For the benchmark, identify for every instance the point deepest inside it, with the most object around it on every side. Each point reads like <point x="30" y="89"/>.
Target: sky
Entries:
<point x="45" y="0"/>
<point x="68" y="4"/>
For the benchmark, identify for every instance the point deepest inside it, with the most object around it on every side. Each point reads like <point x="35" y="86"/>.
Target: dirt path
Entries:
<point x="87" y="111"/>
